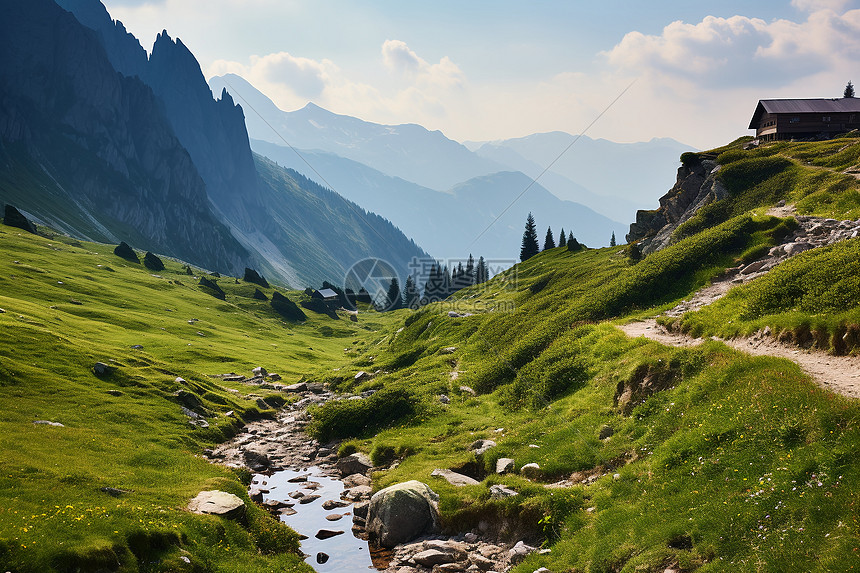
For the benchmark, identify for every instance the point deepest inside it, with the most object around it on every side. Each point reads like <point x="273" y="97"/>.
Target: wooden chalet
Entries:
<point x="326" y="295"/>
<point x="804" y="118"/>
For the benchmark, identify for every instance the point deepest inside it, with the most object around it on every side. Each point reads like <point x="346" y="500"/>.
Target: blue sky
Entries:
<point x="491" y="70"/>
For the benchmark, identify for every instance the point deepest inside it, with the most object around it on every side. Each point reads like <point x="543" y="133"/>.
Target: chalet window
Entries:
<point x="794" y="119"/>
<point x="826" y="118"/>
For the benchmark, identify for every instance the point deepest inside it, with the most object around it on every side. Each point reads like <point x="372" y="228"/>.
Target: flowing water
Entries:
<point x="347" y="553"/>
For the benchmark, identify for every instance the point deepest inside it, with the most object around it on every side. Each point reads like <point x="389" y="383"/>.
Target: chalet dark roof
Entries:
<point x="327" y="293"/>
<point x="818" y="105"/>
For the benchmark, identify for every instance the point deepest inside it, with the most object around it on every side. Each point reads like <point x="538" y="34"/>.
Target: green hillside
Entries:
<point x="697" y="458"/>
<point x="714" y="460"/>
<point x="69" y="305"/>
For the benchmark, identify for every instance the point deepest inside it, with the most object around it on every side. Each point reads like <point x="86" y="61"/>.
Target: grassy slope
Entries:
<point x="52" y="512"/>
<point x="742" y="464"/>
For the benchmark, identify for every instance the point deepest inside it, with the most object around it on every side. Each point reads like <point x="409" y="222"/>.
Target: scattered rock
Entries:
<point x="288" y="511"/>
<point x="357" y="463"/>
<point x="296" y="388"/>
<point x="361" y="375"/>
<point x="101" y="369"/>
<point x="260" y="295"/>
<point x="48" y="423"/>
<point x="455" y="479"/>
<point x="216" y="502"/>
<point x="468" y="390"/>
<point x="259" y="371"/>
<point x="137" y="347"/>
<point x="13" y="218"/>
<point x="504" y="465"/>
<point x="401" y="512"/>
<point x="331" y="504"/>
<point x="116" y="393"/>
<point x="431" y="557"/>
<point x="211" y="287"/>
<point x="124" y="251"/>
<point x="327" y="533"/>
<point x="153" y="262"/>
<point x="334" y="517"/>
<point x="519" y="552"/>
<point x="308" y="499"/>
<point x="252" y="276"/>
<point x="355" y="480"/>
<point x="531" y="470"/>
<point x="322" y="557"/>
<point x="480" y="447"/>
<point x="448" y="350"/>
<point x="444" y="399"/>
<point x="500" y="492"/>
<point x="257" y="461"/>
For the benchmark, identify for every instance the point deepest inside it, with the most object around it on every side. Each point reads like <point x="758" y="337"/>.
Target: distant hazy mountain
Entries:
<point x="408" y="151"/>
<point x="149" y="156"/>
<point x="613" y="178"/>
<point x="447" y="224"/>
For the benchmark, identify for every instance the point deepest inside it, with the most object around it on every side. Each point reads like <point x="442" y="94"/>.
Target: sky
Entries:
<point x="485" y="70"/>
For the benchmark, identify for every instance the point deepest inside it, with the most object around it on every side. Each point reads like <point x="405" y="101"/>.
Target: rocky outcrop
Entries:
<point x="13" y="218"/>
<point x="696" y="186"/>
<point x="402" y="512"/>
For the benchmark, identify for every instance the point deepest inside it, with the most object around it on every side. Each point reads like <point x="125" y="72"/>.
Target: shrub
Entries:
<point x="351" y="418"/>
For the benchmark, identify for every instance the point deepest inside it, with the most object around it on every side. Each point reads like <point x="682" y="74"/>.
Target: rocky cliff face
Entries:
<point x="96" y="144"/>
<point x="696" y="186"/>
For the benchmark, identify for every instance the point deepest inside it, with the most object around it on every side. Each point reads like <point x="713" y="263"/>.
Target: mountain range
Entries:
<point x="375" y="164"/>
<point x="104" y="142"/>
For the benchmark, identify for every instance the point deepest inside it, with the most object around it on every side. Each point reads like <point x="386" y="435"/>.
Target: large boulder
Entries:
<point x="215" y="502"/>
<point x="402" y="512"/>
<point x="252" y="276"/>
<point x="13" y="218"/>
<point x="124" y="251"/>
<point x="153" y="262"/>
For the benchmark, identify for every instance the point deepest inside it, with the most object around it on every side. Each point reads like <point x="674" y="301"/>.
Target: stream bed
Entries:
<point x="346" y="553"/>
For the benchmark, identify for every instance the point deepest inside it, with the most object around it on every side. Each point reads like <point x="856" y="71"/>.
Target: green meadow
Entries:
<point x="701" y="459"/>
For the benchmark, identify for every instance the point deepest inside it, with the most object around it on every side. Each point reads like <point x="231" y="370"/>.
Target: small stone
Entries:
<point x="479" y="447"/>
<point x="431" y="557"/>
<point x="500" y="492"/>
<point x="470" y="537"/>
<point x="322" y="557"/>
<point x="327" y="533"/>
<point x="361" y="375"/>
<point x="455" y="479"/>
<point x="531" y="470"/>
<point x="519" y="552"/>
<point x="448" y="350"/>
<point x="260" y="372"/>
<point x="355" y="480"/>
<point x="102" y="369"/>
<point x="288" y="511"/>
<point x="444" y="399"/>
<point x="606" y="431"/>
<point x="334" y="517"/>
<point x="48" y="423"/>
<point x="185" y="558"/>
<point x="309" y="498"/>
<point x="331" y="504"/>
<point x="357" y="463"/>
<point x="137" y="347"/>
<point x="504" y="465"/>
<point x="468" y="390"/>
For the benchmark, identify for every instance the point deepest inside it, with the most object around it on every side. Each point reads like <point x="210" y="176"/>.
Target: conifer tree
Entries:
<point x="481" y="272"/>
<point x="447" y="283"/>
<point x="433" y="286"/>
<point x="393" y="300"/>
<point x="612" y="240"/>
<point x="549" y="241"/>
<point x="562" y="238"/>
<point x="470" y="271"/>
<point x="570" y="239"/>
<point x="410" y="294"/>
<point x="530" y="246"/>
<point x="849" y="90"/>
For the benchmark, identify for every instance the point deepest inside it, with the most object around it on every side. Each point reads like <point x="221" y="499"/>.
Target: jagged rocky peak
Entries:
<point x="696" y="186"/>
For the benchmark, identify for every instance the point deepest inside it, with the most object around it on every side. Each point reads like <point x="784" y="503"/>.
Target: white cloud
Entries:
<point x="816" y="5"/>
<point x="398" y="57"/>
<point x="721" y="53"/>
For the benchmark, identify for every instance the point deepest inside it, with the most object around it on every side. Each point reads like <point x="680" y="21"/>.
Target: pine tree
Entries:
<point x="549" y="241"/>
<point x="481" y="272"/>
<point x="849" y="90"/>
<point x="562" y="239"/>
<point x="470" y="271"/>
<point x="433" y="286"/>
<point x="570" y="239"/>
<point x="447" y="283"/>
<point x="612" y="240"/>
<point x="410" y="294"/>
<point x="530" y="246"/>
<point x="393" y="300"/>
